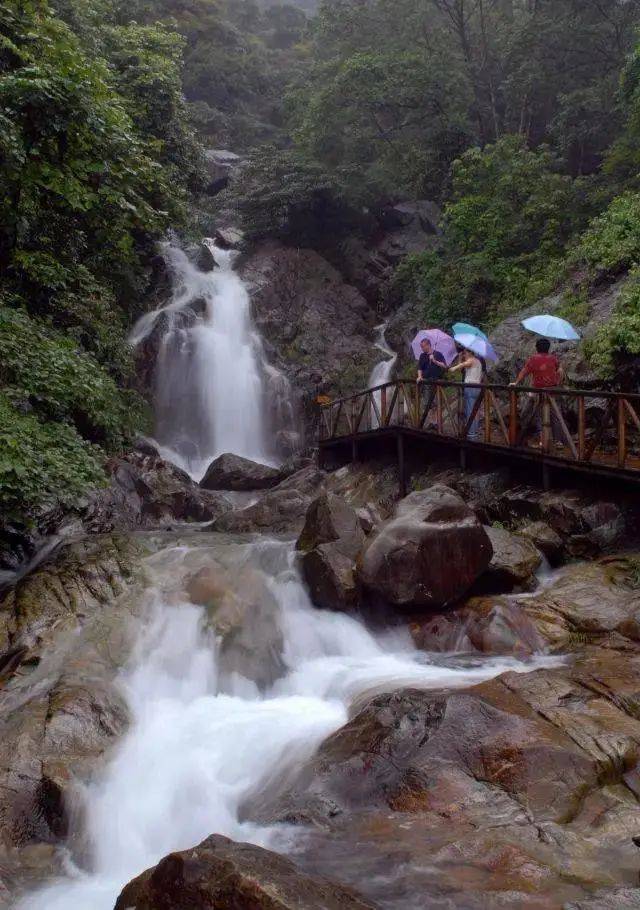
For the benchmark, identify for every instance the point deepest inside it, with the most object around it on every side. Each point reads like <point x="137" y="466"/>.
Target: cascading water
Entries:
<point x="382" y="371"/>
<point x="211" y="376"/>
<point x="204" y="741"/>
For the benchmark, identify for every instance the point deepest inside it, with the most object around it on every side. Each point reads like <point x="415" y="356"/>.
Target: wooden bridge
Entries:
<point x="590" y="432"/>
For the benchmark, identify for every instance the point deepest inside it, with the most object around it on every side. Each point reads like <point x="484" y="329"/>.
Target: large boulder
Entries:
<point x="232" y="472"/>
<point x="521" y="784"/>
<point x="280" y="509"/>
<point x="331" y="540"/>
<point x="513" y="565"/>
<point x="245" y="616"/>
<point x="225" y="875"/>
<point x="429" y="555"/>
<point x="146" y="492"/>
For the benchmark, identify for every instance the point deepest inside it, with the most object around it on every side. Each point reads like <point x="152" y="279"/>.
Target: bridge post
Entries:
<point x="402" y="476"/>
<point x="354" y="449"/>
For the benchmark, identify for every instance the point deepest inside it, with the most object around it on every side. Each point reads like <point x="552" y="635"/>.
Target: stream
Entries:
<point x="203" y="741"/>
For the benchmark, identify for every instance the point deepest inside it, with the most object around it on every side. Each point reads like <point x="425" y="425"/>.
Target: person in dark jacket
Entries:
<point x="432" y="365"/>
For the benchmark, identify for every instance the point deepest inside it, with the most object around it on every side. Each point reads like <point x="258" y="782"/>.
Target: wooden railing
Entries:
<point x="586" y="427"/>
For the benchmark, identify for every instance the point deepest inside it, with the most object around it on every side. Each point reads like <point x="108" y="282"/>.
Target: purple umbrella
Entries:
<point x="440" y="342"/>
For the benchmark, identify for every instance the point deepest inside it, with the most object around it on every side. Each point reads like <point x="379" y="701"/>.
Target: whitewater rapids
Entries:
<point x="202" y="742"/>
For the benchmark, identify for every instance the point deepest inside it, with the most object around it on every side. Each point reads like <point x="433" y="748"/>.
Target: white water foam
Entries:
<point x="195" y="753"/>
<point x="383" y="370"/>
<point x="211" y="375"/>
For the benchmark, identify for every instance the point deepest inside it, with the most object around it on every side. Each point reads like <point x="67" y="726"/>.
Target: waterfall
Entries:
<point x="204" y="741"/>
<point x="211" y="377"/>
<point x="382" y="371"/>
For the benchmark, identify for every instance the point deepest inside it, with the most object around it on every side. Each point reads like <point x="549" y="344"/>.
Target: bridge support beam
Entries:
<point x="354" y="450"/>
<point x="402" y="474"/>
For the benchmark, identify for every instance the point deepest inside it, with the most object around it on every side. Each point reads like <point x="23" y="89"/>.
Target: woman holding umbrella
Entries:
<point x="476" y="350"/>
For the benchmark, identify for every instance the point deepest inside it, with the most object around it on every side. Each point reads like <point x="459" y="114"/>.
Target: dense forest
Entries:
<point x="521" y="118"/>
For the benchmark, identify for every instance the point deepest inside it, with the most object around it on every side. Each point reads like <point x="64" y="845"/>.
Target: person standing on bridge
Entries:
<point x="432" y="365"/>
<point x="474" y="369"/>
<point x="546" y="372"/>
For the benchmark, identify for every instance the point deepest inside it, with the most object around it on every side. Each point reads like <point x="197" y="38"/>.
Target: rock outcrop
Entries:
<point x="232" y="472"/>
<point x="319" y="329"/>
<point x="429" y="554"/>
<point x="526" y="785"/>
<point x="145" y="492"/>
<point x="282" y="508"/>
<point x="513" y="564"/>
<point x="60" y="709"/>
<point x="330" y="542"/>
<point x="220" y="873"/>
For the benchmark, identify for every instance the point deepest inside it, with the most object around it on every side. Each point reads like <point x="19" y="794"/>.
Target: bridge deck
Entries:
<point x="594" y="432"/>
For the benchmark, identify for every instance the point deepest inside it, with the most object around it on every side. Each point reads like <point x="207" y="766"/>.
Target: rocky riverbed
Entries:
<point x="455" y="724"/>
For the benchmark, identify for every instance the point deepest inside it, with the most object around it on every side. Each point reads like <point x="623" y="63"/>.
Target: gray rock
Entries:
<point x="429" y="554"/>
<point x="320" y="327"/>
<point x="616" y="899"/>
<point x="331" y="540"/>
<point x="513" y="564"/>
<point x="545" y="539"/>
<point x="232" y="472"/>
<point x="220" y="873"/>
<point x="331" y="520"/>
<point x="205" y="260"/>
<point x="145" y="492"/>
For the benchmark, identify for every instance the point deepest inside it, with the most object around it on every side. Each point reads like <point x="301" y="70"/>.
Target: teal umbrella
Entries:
<point x="463" y="328"/>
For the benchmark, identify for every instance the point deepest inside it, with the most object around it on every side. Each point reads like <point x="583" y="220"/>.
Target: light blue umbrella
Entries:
<point x="551" y="327"/>
<point x="479" y="346"/>
<point x="463" y="328"/>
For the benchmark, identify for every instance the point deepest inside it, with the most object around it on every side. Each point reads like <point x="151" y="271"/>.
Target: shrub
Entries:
<point x="611" y="243"/>
<point x="42" y="464"/>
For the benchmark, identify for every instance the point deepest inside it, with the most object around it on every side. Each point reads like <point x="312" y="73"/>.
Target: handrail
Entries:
<point x="559" y="390"/>
<point x="557" y="419"/>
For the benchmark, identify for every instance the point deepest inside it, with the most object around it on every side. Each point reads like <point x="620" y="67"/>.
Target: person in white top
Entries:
<point x="473" y="370"/>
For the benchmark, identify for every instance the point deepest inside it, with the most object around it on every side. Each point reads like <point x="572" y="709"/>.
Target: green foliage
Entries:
<point x="49" y="372"/>
<point x="507" y="224"/>
<point x="42" y="463"/>
<point x="611" y="243"/>
<point x="403" y="87"/>
<point x="617" y="342"/>
<point x="96" y="156"/>
<point x="396" y="117"/>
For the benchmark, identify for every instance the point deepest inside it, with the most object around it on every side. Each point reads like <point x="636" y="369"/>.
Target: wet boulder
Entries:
<point x="66" y="627"/>
<point x="330" y="542"/>
<point x="243" y="613"/>
<point x="232" y="472"/>
<point x="226" y="875"/>
<point x="429" y="555"/>
<point x="513" y="565"/>
<point x="146" y="491"/>
<point x="545" y="539"/>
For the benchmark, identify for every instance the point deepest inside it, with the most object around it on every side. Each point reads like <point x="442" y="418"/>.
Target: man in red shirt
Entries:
<point x="543" y="367"/>
<point x="546" y="373"/>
